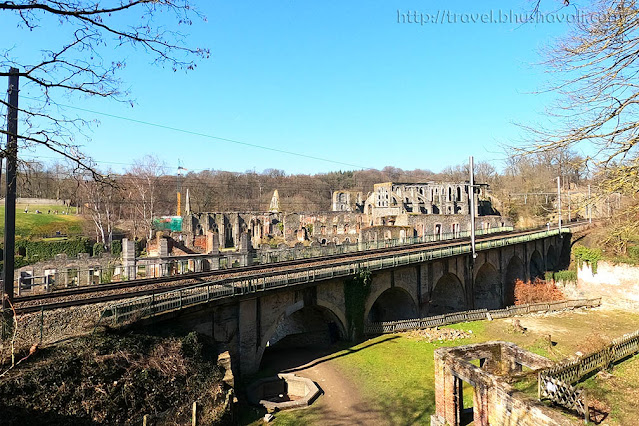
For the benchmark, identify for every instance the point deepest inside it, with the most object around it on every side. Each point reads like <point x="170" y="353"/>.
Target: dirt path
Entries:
<point x="341" y="403"/>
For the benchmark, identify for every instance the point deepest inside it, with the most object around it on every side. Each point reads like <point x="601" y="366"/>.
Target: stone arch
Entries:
<point x="536" y="266"/>
<point x="514" y="271"/>
<point x="551" y="258"/>
<point x="275" y="331"/>
<point x="447" y="296"/>
<point x="228" y="235"/>
<point x="380" y="284"/>
<point x="487" y="291"/>
<point x="393" y="304"/>
<point x="341" y="316"/>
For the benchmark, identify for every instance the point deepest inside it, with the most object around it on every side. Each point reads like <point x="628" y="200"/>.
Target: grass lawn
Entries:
<point x="618" y="393"/>
<point x="396" y="375"/>
<point x="40" y="225"/>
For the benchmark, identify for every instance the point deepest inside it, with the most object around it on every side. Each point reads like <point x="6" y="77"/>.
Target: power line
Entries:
<point x="204" y="135"/>
<point x="208" y="136"/>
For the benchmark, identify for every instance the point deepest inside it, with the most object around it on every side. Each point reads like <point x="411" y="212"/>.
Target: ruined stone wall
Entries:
<point x="508" y="407"/>
<point x="61" y="263"/>
<point x="230" y="225"/>
<point x="427" y="224"/>
<point x="348" y="201"/>
<point x="337" y="227"/>
<point x="199" y="243"/>
<point x="380" y="233"/>
<point x="41" y="201"/>
<point x="495" y="401"/>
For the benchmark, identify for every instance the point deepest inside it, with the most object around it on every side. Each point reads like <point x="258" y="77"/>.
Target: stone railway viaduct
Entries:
<point x="317" y="311"/>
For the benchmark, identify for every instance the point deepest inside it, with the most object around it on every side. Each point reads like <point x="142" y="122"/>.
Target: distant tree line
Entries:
<point x="128" y="201"/>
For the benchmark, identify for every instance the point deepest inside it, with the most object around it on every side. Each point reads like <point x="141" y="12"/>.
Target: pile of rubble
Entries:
<point x="438" y="334"/>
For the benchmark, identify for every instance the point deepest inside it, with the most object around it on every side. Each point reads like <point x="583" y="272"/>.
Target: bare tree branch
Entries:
<point x="598" y="108"/>
<point x="85" y="65"/>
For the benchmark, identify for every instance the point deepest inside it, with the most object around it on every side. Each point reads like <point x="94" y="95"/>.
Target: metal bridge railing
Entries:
<point x="153" y="267"/>
<point x="202" y="293"/>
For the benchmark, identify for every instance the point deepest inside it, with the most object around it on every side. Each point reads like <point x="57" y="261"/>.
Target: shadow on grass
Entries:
<point x="336" y="352"/>
<point x="294" y="360"/>
<point x="597" y="416"/>
<point x="406" y="409"/>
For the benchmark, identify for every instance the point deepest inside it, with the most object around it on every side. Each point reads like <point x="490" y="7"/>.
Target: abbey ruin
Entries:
<point x="391" y="211"/>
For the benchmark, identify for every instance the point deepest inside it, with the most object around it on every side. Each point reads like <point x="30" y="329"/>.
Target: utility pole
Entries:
<point x="471" y="195"/>
<point x="10" y="196"/>
<point x="559" y="201"/>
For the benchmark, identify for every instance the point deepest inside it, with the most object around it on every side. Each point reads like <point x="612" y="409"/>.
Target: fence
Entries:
<point x="476" y="315"/>
<point x="309" y="252"/>
<point x="556" y="383"/>
<point x="157" y="304"/>
<point x="178" y="265"/>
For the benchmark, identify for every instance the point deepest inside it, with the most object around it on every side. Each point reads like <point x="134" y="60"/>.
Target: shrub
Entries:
<point x="633" y="252"/>
<point x="43" y="249"/>
<point x="18" y="262"/>
<point x="536" y="292"/>
<point x="356" y="291"/>
<point x="98" y="249"/>
<point x="566" y="276"/>
<point x="107" y="275"/>
<point x="192" y="346"/>
<point x="562" y="276"/>
<point x="140" y="246"/>
<point x="116" y="247"/>
<point x="584" y="254"/>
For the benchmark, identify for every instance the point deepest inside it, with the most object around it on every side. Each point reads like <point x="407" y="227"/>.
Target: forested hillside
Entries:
<point x="149" y="189"/>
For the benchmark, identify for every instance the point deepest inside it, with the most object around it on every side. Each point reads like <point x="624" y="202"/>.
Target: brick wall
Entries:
<point x="495" y="401"/>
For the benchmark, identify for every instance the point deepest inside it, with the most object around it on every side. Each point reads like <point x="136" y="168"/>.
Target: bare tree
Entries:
<point x="100" y="201"/>
<point x="85" y="65"/>
<point x="599" y="91"/>
<point x="144" y="177"/>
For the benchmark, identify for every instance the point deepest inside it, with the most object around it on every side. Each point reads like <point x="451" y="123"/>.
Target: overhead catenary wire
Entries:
<point x="204" y="135"/>
<point x="208" y="136"/>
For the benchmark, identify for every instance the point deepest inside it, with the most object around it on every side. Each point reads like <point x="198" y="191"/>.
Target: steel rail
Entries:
<point x="244" y="273"/>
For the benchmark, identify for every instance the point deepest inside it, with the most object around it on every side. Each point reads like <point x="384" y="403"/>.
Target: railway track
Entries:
<point x="143" y="287"/>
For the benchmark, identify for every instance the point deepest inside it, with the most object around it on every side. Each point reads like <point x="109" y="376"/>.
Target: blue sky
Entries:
<point x="337" y="80"/>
